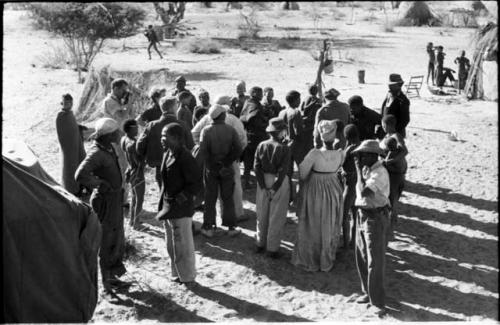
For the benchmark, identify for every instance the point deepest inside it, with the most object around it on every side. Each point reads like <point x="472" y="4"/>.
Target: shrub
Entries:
<point x="85" y="26"/>
<point x="249" y="27"/>
<point x="201" y="46"/>
<point x="388" y="26"/>
<point x="55" y="57"/>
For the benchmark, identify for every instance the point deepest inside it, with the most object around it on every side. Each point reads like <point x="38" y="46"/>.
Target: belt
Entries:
<point x="315" y="171"/>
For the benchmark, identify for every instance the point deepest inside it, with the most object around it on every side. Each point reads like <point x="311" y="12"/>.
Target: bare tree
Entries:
<point x="323" y="62"/>
<point x="170" y="16"/>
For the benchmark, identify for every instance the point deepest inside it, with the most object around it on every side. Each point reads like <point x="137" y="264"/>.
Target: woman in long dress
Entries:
<point x="321" y="208"/>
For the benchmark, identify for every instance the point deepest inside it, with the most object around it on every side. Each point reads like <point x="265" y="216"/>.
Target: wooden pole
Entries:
<point x="322" y="59"/>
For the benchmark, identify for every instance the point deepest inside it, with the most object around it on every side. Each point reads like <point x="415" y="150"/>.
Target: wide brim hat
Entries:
<point x="216" y="110"/>
<point x="395" y="79"/>
<point x="105" y="126"/>
<point x="369" y="146"/>
<point x="276" y="124"/>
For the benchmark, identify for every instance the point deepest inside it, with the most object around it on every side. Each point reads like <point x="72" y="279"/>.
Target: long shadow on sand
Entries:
<point x="244" y="308"/>
<point x="446" y="194"/>
<point x="151" y="306"/>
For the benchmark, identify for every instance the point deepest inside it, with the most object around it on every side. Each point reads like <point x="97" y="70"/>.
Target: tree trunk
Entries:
<point x="321" y="67"/>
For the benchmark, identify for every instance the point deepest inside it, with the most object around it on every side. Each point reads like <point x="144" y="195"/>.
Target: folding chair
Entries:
<point x="414" y="85"/>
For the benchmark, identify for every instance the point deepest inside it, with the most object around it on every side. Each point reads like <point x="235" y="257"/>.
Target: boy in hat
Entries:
<point x="219" y="148"/>
<point x="271" y="106"/>
<point x="272" y="159"/>
<point x="396" y="103"/>
<point x="100" y="171"/>
<point x="333" y="109"/>
<point x="372" y="203"/>
<point x="395" y="162"/>
<point x="69" y="134"/>
<point x="134" y="175"/>
<point x="240" y="99"/>
<point x="181" y="180"/>
<point x="153" y="40"/>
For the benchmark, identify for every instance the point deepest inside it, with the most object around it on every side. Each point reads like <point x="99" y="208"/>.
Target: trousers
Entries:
<point x="213" y="183"/>
<point x="349" y="198"/>
<point x="237" y="193"/>
<point x="271" y="216"/>
<point x="180" y="248"/>
<point x="397" y="182"/>
<point x="370" y="253"/>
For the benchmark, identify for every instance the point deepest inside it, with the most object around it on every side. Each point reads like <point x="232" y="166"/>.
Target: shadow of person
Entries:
<point x="464" y="249"/>
<point x="244" y="308"/>
<point x="446" y="194"/>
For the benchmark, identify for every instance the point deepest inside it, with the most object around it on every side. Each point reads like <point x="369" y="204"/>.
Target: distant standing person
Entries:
<point x="153" y="112"/>
<point x="271" y="106"/>
<point x="463" y="70"/>
<point x="272" y="159"/>
<point x="238" y="102"/>
<point x="396" y="103"/>
<point x="134" y="175"/>
<point x="439" y="75"/>
<point x="333" y="109"/>
<point x="71" y="142"/>
<point x="180" y="86"/>
<point x="153" y="40"/>
<point x="100" y="171"/>
<point x="181" y="180"/>
<point x="220" y="148"/>
<point x="430" y="65"/>
<point x="372" y="203"/>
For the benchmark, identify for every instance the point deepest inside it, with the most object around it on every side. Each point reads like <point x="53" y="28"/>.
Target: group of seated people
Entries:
<point x="350" y="160"/>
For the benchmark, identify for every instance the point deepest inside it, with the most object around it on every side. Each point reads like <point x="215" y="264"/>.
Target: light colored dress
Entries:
<point x="320" y="210"/>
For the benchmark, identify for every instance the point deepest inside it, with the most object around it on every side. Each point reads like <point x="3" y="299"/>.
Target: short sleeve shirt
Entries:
<point x="377" y="179"/>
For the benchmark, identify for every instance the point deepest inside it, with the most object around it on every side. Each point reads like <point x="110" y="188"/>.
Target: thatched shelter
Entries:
<point x="98" y="85"/>
<point x="482" y="81"/>
<point x="418" y="13"/>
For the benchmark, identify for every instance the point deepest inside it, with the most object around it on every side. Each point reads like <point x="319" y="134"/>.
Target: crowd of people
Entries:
<point x="350" y="160"/>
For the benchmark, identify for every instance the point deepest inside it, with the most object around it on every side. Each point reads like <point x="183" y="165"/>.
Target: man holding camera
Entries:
<point x="114" y="106"/>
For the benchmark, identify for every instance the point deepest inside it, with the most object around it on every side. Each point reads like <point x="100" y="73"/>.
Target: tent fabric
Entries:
<point x="50" y="245"/>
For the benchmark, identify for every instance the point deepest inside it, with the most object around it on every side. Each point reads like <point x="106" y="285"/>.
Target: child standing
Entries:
<point x="272" y="159"/>
<point x="351" y="136"/>
<point x="395" y="162"/>
<point x="135" y="171"/>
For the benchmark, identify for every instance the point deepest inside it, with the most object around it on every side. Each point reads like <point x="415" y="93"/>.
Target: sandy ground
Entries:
<point x="443" y="265"/>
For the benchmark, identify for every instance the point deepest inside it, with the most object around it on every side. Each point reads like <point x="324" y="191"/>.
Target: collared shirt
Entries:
<point x="112" y="108"/>
<point x="366" y="121"/>
<point x="231" y="120"/>
<point x="100" y="163"/>
<point x="399" y="106"/>
<point x="376" y="179"/>
<point x="271" y="157"/>
<point x="219" y="145"/>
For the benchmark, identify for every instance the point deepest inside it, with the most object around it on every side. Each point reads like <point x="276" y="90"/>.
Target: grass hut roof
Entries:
<point x="419" y="14"/>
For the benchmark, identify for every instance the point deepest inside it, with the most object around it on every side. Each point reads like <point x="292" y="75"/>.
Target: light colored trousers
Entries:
<point x="237" y="193"/>
<point x="271" y="216"/>
<point x="180" y="248"/>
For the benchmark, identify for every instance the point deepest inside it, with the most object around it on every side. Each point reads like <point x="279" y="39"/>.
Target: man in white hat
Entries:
<point x="219" y="148"/>
<point x="100" y="171"/>
<point x="372" y="203"/>
<point x="235" y="122"/>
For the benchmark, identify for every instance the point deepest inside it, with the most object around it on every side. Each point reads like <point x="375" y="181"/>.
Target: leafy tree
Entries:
<point x="85" y="26"/>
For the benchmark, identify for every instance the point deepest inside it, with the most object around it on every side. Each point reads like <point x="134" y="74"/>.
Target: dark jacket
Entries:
<point x="366" y="121"/>
<point x="192" y="103"/>
<point x="181" y="180"/>
<point x="272" y="109"/>
<point x="295" y="132"/>
<point x="255" y="121"/>
<point x="149" y="143"/>
<point x="152" y="113"/>
<point x="219" y="145"/>
<point x="399" y="106"/>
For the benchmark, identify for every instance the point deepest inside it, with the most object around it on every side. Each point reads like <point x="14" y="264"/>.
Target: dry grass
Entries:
<point x="249" y="26"/>
<point x="201" y="46"/>
<point x="55" y="57"/>
<point x="388" y="26"/>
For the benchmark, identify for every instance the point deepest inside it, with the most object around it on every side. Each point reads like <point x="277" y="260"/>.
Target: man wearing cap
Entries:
<point x="271" y="106"/>
<point x="372" y="203"/>
<point x="149" y="143"/>
<point x="255" y="122"/>
<point x="114" y="106"/>
<point x="235" y="122"/>
<point x="364" y="118"/>
<point x="238" y="102"/>
<point x="180" y="86"/>
<point x="153" y="112"/>
<point x="100" y="171"/>
<point x="333" y="109"/>
<point x="272" y="160"/>
<point x="219" y="148"/>
<point x="69" y="134"/>
<point x="396" y="103"/>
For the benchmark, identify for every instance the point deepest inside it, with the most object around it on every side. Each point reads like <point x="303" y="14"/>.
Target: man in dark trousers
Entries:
<point x="220" y="148"/>
<point x="364" y="118"/>
<point x="152" y="39"/>
<point x="255" y="122"/>
<point x="149" y="143"/>
<point x="396" y="103"/>
<point x="180" y="87"/>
